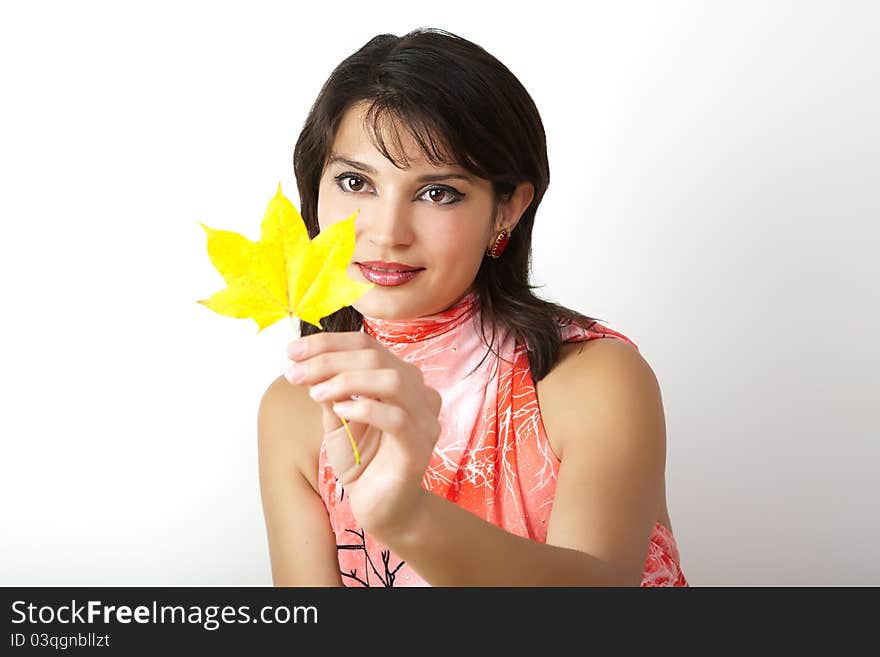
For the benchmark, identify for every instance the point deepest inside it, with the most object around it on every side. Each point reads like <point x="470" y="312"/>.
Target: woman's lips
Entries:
<point x="388" y="278"/>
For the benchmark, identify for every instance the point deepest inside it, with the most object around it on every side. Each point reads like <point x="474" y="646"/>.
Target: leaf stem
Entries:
<point x="357" y="456"/>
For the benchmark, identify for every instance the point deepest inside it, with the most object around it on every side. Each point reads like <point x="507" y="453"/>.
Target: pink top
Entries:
<point x="492" y="456"/>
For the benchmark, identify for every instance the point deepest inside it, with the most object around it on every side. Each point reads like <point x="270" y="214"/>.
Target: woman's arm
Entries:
<point x="302" y="546"/>
<point x="609" y="415"/>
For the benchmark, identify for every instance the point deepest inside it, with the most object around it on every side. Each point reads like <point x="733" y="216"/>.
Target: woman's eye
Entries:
<point x="436" y="194"/>
<point x="353" y="184"/>
<point x="346" y="188"/>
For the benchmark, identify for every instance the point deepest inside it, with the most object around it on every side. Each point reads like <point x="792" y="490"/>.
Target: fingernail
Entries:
<point x="318" y="392"/>
<point x="296" y="350"/>
<point x="295" y="373"/>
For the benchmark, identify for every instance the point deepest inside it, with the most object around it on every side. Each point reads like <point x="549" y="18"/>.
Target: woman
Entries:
<point x="501" y="441"/>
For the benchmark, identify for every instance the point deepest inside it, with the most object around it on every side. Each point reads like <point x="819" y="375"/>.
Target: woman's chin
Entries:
<point x="388" y="303"/>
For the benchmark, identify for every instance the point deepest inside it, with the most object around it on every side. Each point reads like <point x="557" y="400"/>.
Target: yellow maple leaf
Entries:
<point x="284" y="273"/>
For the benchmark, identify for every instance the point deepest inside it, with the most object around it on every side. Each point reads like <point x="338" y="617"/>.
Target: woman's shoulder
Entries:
<point x="592" y="350"/>
<point x="585" y="357"/>
<point x="290" y="420"/>
<point x="589" y="370"/>
<point x="589" y="330"/>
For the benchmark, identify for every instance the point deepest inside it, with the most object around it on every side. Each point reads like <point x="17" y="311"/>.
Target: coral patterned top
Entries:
<point x="492" y="456"/>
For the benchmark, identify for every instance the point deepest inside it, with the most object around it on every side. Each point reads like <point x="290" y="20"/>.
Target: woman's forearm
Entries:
<point x="449" y="546"/>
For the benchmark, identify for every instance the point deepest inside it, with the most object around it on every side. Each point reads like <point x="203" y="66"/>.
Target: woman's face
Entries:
<point x="440" y="225"/>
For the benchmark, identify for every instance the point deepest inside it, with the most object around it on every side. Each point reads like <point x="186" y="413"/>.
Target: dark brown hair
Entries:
<point x="462" y="107"/>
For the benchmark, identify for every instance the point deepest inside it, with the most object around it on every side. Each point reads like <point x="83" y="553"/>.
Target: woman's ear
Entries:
<point x="512" y="208"/>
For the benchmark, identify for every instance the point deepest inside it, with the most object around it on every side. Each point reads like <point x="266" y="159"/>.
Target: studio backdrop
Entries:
<point x="713" y="196"/>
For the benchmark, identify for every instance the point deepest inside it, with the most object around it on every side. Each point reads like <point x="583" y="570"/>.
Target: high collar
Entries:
<point x="392" y="331"/>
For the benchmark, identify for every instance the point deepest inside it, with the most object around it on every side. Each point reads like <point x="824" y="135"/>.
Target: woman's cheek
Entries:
<point x="330" y="209"/>
<point x="327" y="215"/>
<point x="446" y="241"/>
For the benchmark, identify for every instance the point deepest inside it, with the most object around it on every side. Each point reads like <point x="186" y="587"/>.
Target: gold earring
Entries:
<point x="499" y="245"/>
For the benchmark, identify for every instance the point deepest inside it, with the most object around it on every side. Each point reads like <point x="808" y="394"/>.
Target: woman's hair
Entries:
<point x="462" y="107"/>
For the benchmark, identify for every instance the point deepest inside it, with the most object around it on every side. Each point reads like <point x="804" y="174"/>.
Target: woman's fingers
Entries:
<point x="386" y="417"/>
<point x="390" y="419"/>
<point x="318" y="343"/>
<point x="340" y="452"/>
<point x="434" y="399"/>
<point x="389" y="385"/>
<point x="331" y="421"/>
<point x="322" y="366"/>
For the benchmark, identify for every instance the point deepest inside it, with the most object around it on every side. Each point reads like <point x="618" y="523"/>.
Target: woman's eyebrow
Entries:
<point x="433" y="177"/>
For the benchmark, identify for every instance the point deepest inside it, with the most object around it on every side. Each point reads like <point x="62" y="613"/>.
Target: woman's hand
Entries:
<point x="393" y="421"/>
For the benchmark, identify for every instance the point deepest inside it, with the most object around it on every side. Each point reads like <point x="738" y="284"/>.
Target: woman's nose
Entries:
<point x="389" y="222"/>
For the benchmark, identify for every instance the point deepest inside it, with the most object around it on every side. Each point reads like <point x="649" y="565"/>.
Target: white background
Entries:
<point x="715" y="196"/>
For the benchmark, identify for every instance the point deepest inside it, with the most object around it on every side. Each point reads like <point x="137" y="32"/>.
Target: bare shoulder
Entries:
<point x="291" y="421"/>
<point x="302" y="545"/>
<point x="610" y="372"/>
<point x="570" y="350"/>
<point x="603" y="413"/>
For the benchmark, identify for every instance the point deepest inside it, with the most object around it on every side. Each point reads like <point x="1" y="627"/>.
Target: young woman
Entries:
<point x="504" y="440"/>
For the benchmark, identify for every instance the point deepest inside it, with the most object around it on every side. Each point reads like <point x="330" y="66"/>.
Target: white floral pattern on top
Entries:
<point x="492" y="457"/>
